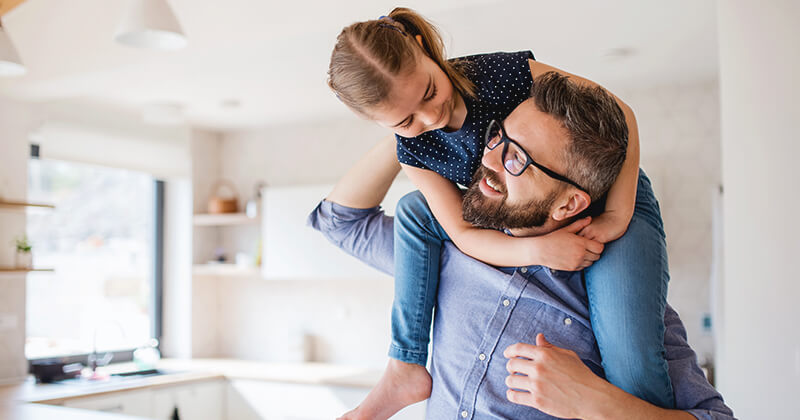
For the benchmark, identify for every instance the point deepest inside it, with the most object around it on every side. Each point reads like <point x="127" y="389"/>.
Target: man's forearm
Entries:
<point x="366" y="183"/>
<point x="614" y="403"/>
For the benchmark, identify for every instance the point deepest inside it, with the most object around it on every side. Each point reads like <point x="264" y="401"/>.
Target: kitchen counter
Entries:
<point x="15" y="398"/>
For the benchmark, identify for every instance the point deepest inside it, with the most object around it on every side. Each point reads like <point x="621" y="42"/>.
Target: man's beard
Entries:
<point x="497" y="214"/>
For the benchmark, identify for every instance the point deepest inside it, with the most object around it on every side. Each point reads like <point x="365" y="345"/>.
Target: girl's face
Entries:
<point x="421" y="100"/>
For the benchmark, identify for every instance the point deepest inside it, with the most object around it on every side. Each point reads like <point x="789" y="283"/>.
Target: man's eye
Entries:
<point x="519" y="158"/>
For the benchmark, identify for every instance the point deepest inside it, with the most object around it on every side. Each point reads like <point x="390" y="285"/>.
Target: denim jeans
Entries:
<point x="627" y="290"/>
<point x="418" y="241"/>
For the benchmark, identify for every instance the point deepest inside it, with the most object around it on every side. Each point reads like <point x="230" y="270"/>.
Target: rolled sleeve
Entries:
<point x="693" y="392"/>
<point x="367" y="234"/>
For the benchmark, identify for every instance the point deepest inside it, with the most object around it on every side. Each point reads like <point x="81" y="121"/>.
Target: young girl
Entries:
<point x="392" y="70"/>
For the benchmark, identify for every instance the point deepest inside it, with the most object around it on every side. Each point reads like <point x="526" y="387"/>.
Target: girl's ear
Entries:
<point x="419" y="40"/>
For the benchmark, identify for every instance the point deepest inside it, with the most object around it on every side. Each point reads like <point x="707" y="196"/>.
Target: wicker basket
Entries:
<point x="217" y="204"/>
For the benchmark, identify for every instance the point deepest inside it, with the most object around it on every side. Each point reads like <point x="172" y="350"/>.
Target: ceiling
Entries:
<point x="252" y="63"/>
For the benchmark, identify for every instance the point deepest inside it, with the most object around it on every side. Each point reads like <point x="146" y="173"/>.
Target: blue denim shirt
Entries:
<point x="482" y="309"/>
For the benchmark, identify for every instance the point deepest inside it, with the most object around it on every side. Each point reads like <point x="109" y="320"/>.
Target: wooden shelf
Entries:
<point x="20" y="205"/>
<point x="226" y="219"/>
<point x="24" y="270"/>
<point x="225" y="270"/>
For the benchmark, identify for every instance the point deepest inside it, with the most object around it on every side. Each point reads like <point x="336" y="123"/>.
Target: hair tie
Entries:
<point x="387" y="25"/>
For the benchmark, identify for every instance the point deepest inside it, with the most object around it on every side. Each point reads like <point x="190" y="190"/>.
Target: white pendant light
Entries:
<point x="10" y="64"/>
<point x="150" y="24"/>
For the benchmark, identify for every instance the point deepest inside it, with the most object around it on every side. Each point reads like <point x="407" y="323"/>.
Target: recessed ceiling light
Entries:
<point x="150" y="24"/>
<point x="619" y="53"/>
<point x="231" y="103"/>
<point x="163" y="113"/>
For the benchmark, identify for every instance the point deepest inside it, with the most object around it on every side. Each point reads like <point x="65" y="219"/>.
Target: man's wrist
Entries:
<point x="605" y="403"/>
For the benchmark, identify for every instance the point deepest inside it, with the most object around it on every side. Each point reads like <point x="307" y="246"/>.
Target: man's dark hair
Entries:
<point x="598" y="133"/>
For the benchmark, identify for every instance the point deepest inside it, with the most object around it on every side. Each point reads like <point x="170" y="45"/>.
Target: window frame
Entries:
<point x="157" y="283"/>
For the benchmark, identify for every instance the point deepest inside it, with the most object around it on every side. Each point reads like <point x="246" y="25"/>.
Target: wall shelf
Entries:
<point x="21" y="205"/>
<point x="225" y="219"/>
<point x="225" y="270"/>
<point x="24" y="270"/>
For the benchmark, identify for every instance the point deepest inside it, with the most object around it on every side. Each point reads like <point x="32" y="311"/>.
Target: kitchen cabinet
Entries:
<point x="196" y="401"/>
<point x="135" y="403"/>
<point x="264" y="400"/>
<point x="193" y="401"/>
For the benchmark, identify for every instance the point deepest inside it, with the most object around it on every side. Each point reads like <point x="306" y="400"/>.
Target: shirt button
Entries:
<point x="506" y="302"/>
<point x="523" y="270"/>
<point x="482" y="357"/>
<point x="464" y="414"/>
<point x="567" y="321"/>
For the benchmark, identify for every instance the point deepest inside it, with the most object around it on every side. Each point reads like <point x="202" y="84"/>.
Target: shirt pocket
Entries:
<point x="568" y="332"/>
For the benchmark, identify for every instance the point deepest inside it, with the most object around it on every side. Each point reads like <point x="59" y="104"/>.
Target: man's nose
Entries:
<point x="493" y="159"/>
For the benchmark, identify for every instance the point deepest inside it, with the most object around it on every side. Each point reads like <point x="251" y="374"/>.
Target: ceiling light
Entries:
<point x="10" y="64"/>
<point x="150" y="24"/>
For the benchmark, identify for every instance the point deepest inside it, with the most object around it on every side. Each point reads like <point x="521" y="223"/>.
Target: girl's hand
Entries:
<point x="605" y="228"/>
<point x="565" y="250"/>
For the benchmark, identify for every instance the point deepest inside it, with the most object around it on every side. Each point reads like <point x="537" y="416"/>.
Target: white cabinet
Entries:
<point x="135" y="403"/>
<point x="193" y="401"/>
<point x="262" y="400"/>
<point x="197" y="401"/>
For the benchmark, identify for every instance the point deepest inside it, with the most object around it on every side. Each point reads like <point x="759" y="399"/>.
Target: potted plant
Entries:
<point x="24" y="254"/>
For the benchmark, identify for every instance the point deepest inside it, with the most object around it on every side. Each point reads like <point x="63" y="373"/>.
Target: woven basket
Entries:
<point x="217" y="204"/>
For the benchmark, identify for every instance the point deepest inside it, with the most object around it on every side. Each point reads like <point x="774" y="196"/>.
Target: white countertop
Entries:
<point x="15" y="399"/>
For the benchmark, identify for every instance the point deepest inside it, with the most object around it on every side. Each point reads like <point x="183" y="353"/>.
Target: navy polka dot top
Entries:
<point x="502" y="81"/>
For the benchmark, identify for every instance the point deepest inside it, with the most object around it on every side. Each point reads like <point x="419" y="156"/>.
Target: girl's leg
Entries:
<point x="627" y="290"/>
<point x="418" y="241"/>
<point x="417" y="248"/>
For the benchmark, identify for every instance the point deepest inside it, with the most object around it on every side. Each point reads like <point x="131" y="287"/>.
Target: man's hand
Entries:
<point x="556" y="382"/>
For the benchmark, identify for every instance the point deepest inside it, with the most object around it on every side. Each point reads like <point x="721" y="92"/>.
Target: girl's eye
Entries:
<point x="408" y="124"/>
<point x="432" y="95"/>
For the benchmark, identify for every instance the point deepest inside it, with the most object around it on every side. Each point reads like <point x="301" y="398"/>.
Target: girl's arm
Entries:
<point x="622" y="196"/>
<point x="562" y="249"/>
<point x="366" y="183"/>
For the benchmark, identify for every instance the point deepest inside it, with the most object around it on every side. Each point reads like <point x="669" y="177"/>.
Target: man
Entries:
<point x="481" y="366"/>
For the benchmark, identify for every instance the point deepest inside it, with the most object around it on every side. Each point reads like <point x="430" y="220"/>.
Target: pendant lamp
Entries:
<point x="150" y="24"/>
<point x="10" y="64"/>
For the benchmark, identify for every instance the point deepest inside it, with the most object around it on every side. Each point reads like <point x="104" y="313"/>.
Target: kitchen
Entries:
<point x="179" y="205"/>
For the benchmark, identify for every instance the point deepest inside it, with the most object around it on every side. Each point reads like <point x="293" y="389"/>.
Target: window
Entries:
<point x="103" y="240"/>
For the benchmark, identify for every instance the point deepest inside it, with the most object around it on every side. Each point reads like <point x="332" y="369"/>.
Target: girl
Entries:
<point x="392" y="70"/>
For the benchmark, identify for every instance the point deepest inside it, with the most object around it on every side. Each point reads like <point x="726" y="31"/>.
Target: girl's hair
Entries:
<point x="369" y="54"/>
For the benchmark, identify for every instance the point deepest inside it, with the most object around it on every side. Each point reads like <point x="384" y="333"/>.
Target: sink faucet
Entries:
<point x="93" y="360"/>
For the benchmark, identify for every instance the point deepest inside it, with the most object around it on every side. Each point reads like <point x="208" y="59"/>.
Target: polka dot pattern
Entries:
<point x="502" y="81"/>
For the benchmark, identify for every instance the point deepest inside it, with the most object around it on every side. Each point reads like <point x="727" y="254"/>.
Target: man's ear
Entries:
<point x="577" y="201"/>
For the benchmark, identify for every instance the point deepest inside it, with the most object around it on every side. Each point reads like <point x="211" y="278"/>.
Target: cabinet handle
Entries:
<point x="117" y="407"/>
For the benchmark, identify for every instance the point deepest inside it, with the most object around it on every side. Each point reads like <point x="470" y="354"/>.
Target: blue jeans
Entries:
<point x="418" y="241"/>
<point x="627" y="291"/>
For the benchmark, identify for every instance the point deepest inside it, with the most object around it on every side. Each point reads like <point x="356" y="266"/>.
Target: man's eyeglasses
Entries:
<point x="515" y="158"/>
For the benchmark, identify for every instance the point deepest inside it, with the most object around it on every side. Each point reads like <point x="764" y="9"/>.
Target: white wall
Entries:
<point x="680" y="151"/>
<point x="16" y="120"/>
<point x="759" y="357"/>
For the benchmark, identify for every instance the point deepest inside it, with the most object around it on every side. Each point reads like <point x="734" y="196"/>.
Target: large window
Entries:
<point x="102" y="240"/>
